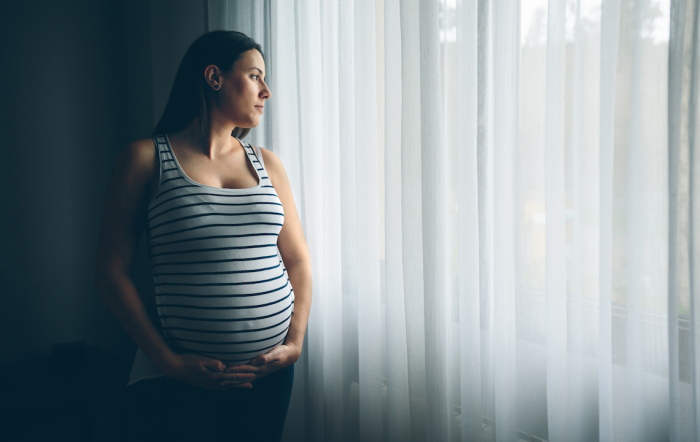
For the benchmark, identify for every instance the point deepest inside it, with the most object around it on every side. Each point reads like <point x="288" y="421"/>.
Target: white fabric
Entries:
<point x="502" y="207"/>
<point x="142" y="368"/>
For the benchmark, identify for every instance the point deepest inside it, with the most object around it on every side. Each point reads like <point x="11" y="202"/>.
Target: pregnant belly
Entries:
<point x="233" y="328"/>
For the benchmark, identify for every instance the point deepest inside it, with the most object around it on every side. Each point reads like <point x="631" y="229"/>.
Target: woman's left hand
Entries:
<point x="280" y="356"/>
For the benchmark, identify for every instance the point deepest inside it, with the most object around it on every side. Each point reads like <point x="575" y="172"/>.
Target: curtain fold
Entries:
<point x="501" y="203"/>
<point x="609" y="24"/>
<point x="555" y="210"/>
<point x="367" y="223"/>
<point x="683" y="215"/>
<point x="505" y="83"/>
<point x="397" y="368"/>
<point x="468" y="303"/>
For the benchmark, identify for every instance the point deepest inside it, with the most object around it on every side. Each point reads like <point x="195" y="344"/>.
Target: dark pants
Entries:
<point x="170" y="410"/>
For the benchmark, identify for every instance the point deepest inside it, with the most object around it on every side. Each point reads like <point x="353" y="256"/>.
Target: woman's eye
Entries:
<point x="256" y="75"/>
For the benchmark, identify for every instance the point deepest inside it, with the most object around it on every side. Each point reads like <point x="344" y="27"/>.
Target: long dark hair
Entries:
<point x="190" y="96"/>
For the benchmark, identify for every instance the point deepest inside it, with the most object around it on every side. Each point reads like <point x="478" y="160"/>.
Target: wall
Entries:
<point x="80" y="80"/>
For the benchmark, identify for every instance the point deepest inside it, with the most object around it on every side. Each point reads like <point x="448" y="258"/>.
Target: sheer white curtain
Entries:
<point x="501" y="201"/>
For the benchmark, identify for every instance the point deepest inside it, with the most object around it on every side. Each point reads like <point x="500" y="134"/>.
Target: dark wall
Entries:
<point x="76" y="86"/>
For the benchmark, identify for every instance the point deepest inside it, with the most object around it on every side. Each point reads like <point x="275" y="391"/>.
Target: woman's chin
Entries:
<point x="255" y="122"/>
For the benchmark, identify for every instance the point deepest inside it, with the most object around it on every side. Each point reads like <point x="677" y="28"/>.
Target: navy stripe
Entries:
<point x="210" y="261"/>
<point x="217" y="284"/>
<point x="251" y="330"/>
<point x="211" y="225"/>
<point x="185" y="195"/>
<point x="231" y="342"/>
<point x="176" y="252"/>
<point x="200" y="238"/>
<point x="214" y="214"/>
<point x="262" y="269"/>
<point x="224" y="308"/>
<point x="176" y="178"/>
<point x="213" y="352"/>
<point x="247" y="295"/>
<point x="252" y="318"/>
<point x="211" y="203"/>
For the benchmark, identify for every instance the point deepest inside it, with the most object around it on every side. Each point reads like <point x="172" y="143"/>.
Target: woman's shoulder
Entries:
<point x="138" y="158"/>
<point x="270" y="160"/>
<point x="274" y="168"/>
<point x="142" y="144"/>
<point x="143" y="150"/>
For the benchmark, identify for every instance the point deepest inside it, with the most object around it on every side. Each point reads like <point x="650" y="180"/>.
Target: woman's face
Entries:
<point x="243" y="90"/>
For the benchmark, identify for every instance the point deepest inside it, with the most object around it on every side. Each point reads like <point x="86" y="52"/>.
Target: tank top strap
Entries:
<point x="257" y="152"/>
<point x="258" y="163"/>
<point x="260" y="157"/>
<point x="164" y="159"/>
<point x="256" y="157"/>
<point x="161" y="146"/>
<point x="164" y="153"/>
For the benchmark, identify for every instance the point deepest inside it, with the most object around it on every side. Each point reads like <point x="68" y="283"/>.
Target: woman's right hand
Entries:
<point x="206" y="372"/>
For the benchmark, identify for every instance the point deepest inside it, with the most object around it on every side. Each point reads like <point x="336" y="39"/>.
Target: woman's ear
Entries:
<point x="212" y="76"/>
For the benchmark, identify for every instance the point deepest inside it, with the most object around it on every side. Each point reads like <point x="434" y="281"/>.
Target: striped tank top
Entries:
<point x="221" y="287"/>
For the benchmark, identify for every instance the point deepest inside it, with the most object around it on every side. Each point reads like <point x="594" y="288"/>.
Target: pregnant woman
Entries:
<point x="230" y="264"/>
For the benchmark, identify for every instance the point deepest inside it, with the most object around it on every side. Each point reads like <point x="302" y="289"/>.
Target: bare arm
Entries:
<point x="123" y="222"/>
<point x="294" y="250"/>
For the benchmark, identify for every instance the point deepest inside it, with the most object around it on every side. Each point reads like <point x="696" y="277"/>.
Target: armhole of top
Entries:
<point x="160" y="171"/>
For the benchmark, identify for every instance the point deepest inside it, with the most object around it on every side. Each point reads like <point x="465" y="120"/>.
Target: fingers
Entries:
<point x="246" y="370"/>
<point x="226" y="386"/>
<point x="241" y="368"/>
<point x="226" y="383"/>
<point x="214" y="365"/>
<point x="247" y="385"/>
<point x="241" y="383"/>
<point x="233" y="376"/>
<point x="258" y="362"/>
<point x="223" y="381"/>
<point x="272" y="365"/>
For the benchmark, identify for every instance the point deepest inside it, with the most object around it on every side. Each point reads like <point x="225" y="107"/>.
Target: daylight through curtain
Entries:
<point x="501" y="201"/>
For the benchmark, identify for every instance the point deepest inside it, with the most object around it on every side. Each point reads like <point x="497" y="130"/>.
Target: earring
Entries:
<point x="216" y="87"/>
